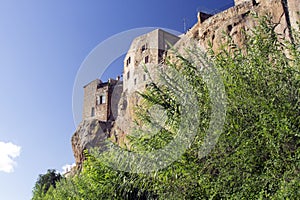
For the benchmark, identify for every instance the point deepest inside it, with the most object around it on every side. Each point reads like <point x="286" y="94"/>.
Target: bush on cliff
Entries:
<point x="257" y="156"/>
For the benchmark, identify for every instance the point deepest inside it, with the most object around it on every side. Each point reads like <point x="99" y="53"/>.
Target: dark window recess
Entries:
<point x="128" y="75"/>
<point x="161" y="55"/>
<point x="146" y="59"/>
<point x="102" y="99"/>
<point x="128" y="61"/>
<point x="144" y="47"/>
<point x="144" y="77"/>
<point x="93" y="112"/>
<point x="229" y="28"/>
<point x="135" y="81"/>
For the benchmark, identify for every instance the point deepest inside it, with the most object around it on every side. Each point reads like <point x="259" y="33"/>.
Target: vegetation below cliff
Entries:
<point x="257" y="155"/>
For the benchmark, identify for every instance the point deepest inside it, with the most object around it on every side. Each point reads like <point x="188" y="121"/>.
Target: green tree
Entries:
<point x="44" y="182"/>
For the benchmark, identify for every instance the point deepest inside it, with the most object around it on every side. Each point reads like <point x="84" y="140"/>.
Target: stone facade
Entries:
<point x="148" y="51"/>
<point x="237" y="19"/>
<point x="104" y="101"/>
<point x="108" y="108"/>
<point x="237" y="2"/>
<point x="89" y="100"/>
<point x="101" y="99"/>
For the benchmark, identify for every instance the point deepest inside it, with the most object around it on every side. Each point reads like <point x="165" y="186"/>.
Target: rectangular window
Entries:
<point x="102" y="99"/>
<point x="144" y="47"/>
<point x="135" y="81"/>
<point x="128" y="61"/>
<point x="144" y="77"/>
<point x="93" y="112"/>
<point x="128" y="75"/>
<point x="146" y="59"/>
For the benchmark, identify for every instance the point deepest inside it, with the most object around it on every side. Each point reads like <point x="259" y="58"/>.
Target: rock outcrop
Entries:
<point x="209" y="29"/>
<point x="89" y="134"/>
<point x="237" y="19"/>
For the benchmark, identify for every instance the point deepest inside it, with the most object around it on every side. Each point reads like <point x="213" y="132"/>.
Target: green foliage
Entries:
<point x="260" y="146"/>
<point x="257" y="155"/>
<point x="96" y="181"/>
<point x="45" y="182"/>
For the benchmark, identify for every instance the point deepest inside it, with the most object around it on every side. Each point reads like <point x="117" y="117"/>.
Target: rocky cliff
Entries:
<point x="210" y="29"/>
<point x="89" y="133"/>
<point x="239" y="18"/>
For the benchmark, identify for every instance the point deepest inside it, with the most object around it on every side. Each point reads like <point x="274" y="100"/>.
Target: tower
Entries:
<point x="101" y="99"/>
<point x="148" y="50"/>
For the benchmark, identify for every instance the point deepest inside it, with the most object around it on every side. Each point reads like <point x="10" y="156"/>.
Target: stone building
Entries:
<point x="148" y="50"/>
<point x="101" y="99"/>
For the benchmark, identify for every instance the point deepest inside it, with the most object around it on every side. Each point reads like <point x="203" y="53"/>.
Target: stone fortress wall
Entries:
<point x="237" y="19"/>
<point x="89" y="99"/>
<point x="148" y="50"/>
<point x="101" y="99"/>
<point x="114" y="113"/>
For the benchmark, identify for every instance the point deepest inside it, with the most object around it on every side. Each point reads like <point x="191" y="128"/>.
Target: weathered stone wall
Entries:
<point x="237" y="19"/>
<point x="153" y="45"/>
<point x="237" y="2"/>
<point x="137" y="57"/>
<point x="115" y="96"/>
<point x="146" y="50"/>
<point x="99" y="98"/>
<point x="102" y="109"/>
<point x="89" y="98"/>
<point x="293" y="8"/>
<point x="211" y="30"/>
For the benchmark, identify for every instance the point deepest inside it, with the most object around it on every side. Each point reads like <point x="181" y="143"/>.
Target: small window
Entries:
<point x="135" y="81"/>
<point x="146" y="59"/>
<point x="101" y="99"/>
<point x="144" y="47"/>
<point x="128" y="75"/>
<point x="144" y="77"/>
<point x="93" y="112"/>
<point x="128" y="61"/>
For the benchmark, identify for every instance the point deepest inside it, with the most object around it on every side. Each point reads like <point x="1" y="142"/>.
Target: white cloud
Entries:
<point x="66" y="168"/>
<point x="8" y="152"/>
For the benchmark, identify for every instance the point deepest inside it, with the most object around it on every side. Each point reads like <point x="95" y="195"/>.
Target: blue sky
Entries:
<point x="42" y="45"/>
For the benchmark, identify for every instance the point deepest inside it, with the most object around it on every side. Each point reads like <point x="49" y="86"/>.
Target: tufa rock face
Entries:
<point x="237" y="19"/>
<point x="209" y="29"/>
<point x="90" y="133"/>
